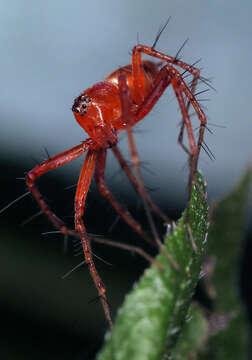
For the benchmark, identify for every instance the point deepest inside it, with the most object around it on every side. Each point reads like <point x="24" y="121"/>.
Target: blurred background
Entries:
<point x="50" y="52"/>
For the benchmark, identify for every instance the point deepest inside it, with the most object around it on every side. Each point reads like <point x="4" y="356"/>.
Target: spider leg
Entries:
<point x="134" y="249"/>
<point x="136" y="64"/>
<point x="99" y="175"/>
<point x="170" y="75"/>
<point x="125" y="167"/>
<point x="192" y="169"/>
<point x="180" y="138"/>
<point x="138" y="94"/>
<point x="194" y="83"/>
<point x="125" y="97"/>
<point x="195" y="72"/>
<point x="179" y="89"/>
<point x="138" y="69"/>
<point x="80" y="198"/>
<point x="46" y="166"/>
<point x="143" y="194"/>
<point x="147" y="50"/>
<point x="129" y="120"/>
<point x="105" y="192"/>
<point x="84" y="182"/>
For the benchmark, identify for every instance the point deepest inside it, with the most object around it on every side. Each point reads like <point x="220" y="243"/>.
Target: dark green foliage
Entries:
<point x="230" y="335"/>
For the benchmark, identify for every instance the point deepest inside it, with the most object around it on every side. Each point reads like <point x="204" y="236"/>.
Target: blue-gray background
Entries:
<point x="52" y="50"/>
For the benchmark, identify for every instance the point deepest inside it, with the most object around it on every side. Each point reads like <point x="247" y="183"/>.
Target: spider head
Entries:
<point x="95" y="109"/>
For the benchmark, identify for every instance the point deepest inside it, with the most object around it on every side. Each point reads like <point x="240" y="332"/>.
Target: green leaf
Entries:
<point x="151" y="319"/>
<point x="226" y="236"/>
<point x="193" y="336"/>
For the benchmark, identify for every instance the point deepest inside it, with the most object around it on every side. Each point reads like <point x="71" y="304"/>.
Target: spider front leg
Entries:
<point x="82" y="189"/>
<point x="80" y="198"/>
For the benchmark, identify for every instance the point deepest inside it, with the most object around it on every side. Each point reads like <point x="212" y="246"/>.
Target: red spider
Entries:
<point x="119" y="102"/>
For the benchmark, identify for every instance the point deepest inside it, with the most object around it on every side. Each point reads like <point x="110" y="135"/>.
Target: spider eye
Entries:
<point x="85" y="99"/>
<point x="80" y="104"/>
<point x="75" y="107"/>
